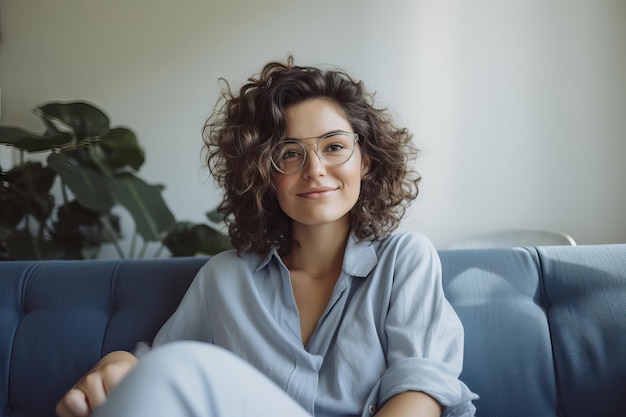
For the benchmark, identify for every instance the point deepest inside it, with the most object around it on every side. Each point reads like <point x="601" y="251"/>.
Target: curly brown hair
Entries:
<point x="243" y="128"/>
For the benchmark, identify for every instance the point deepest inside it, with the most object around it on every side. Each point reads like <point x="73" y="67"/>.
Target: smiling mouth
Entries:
<point x="316" y="194"/>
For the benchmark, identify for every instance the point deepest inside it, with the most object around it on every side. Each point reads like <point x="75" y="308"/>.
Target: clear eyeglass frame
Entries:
<point x="298" y="142"/>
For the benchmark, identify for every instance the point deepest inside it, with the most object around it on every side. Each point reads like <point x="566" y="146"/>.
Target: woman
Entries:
<point x="331" y="314"/>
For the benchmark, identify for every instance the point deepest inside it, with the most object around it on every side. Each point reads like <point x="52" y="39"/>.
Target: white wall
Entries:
<point x="518" y="105"/>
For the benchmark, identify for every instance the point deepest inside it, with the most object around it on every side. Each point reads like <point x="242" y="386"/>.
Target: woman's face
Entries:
<point x="319" y="194"/>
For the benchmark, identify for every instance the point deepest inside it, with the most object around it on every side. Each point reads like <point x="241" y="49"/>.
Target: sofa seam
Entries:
<point x="547" y="305"/>
<point x="26" y="277"/>
<point x="112" y="309"/>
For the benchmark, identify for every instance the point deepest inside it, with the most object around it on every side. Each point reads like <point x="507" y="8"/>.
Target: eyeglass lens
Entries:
<point x="334" y="149"/>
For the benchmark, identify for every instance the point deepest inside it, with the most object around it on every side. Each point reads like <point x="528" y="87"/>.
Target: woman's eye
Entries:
<point x="290" y="154"/>
<point x="335" y="147"/>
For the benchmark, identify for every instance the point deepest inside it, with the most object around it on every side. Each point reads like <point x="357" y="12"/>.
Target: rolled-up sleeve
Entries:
<point x="424" y="336"/>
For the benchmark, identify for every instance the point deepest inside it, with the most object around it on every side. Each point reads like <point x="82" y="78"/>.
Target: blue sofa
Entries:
<point x="545" y="326"/>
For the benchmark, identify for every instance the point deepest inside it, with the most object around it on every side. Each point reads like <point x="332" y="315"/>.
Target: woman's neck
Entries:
<point x="318" y="250"/>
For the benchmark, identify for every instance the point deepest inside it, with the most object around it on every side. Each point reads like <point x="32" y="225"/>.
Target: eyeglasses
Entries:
<point x="333" y="148"/>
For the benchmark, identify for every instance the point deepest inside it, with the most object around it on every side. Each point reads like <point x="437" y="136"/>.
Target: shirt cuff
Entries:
<point x="436" y="379"/>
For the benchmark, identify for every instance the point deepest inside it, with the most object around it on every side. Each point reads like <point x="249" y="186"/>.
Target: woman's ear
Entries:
<point x="365" y="165"/>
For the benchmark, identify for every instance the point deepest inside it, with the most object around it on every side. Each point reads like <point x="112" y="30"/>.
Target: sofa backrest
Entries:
<point x="545" y="328"/>
<point x="59" y="317"/>
<point x="508" y="359"/>
<point x="585" y="299"/>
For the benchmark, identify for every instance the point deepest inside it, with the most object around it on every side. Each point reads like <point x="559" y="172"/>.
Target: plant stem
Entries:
<point x="113" y="238"/>
<point x="157" y="253"/>
<point x="64" y="191"/>
<point x="35" y="241"/>
<point x="31" y="189"/>
<point x="133" y="245"/>
<point x="142" y="252"/>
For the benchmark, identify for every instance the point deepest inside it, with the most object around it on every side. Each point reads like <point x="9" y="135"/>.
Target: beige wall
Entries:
<point x="518" y="105"/>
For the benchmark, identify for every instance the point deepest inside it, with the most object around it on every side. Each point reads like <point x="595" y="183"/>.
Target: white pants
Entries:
<point x="184" y="379"/>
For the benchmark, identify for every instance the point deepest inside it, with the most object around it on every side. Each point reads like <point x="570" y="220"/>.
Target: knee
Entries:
<point x="187" y="357"/>
<point x="180" y="347"/>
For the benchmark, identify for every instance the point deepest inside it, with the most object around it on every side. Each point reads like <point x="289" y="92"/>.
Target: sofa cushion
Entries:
<point x="496" y="293"/>
<point x="586" y="290"/>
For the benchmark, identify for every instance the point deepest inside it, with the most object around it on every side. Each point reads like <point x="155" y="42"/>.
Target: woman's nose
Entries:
<point x="314" y="165"/>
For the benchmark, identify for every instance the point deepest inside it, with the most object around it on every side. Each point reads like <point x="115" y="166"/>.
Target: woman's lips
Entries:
<point x="317" y="193"/>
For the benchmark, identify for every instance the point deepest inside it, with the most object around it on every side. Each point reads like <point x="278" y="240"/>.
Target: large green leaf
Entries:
<point x="122" y="148"/>
<point x="83" y="157"/>
<point x="182" y="241"/>
<point x="146" y="205"/>
<point x="85" y="119"/>
<point x="211" y="241"/>
<point x="215" y="216"/>
<point x="73" y="214"/>
<point x="96" y="158"/>
<point x="32" y="142"/>
<point x="88" y="186"/>
<point x="22" y="245"/>
<point x="32" y="176"/>
<point x="26" y="188"/>
<point x="78" y="229"/>
<point x="189" y="239"/>
<point x="11" y="209"/>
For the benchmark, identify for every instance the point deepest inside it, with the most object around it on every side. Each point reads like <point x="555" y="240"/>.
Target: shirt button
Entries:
<point x="372" y="409"/>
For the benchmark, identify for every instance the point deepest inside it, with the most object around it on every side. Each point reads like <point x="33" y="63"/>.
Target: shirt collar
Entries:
<point x="262" y="261"/>
<point x="360" y="257"/>
<point x="359" y="260"/>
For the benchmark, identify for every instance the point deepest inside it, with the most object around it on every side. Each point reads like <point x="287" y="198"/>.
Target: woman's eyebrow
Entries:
<point x="320" y="136"/>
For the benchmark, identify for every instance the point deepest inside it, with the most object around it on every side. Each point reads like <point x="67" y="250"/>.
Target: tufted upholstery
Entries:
<point x="58" y="317"/>
<point x="545" y="327"/>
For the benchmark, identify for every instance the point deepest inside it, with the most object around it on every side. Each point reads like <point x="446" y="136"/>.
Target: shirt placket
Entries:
<point x="328" y="322"/>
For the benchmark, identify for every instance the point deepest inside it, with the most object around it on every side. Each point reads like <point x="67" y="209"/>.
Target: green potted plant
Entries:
<point x="61" y="207"/>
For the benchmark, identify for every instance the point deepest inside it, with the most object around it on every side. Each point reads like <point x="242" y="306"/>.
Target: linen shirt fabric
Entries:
<point x="387" y="328"/>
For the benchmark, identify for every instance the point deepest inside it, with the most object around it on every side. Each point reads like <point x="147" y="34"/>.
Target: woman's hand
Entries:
<point x="93" y="388"/>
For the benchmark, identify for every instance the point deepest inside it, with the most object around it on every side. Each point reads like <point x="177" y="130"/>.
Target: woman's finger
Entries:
<point x="92" y="385"/>
<point x="73" y="404"/>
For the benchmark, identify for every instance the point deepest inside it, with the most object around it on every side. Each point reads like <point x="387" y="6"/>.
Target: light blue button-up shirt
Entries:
<point x="387" y="328"/>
